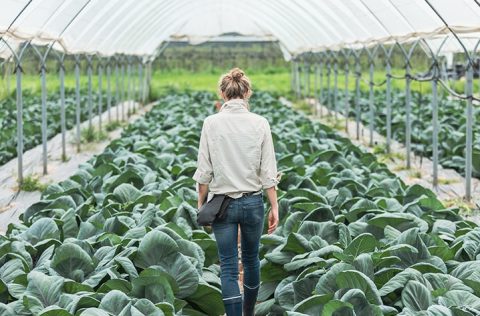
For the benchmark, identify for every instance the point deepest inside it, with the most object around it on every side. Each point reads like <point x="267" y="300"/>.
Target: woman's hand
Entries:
<point x="273" y="219"/>
<point x="273" y="213"/>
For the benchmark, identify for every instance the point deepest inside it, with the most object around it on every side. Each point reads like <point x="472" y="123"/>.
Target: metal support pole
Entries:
<point x="298" y="81"/>
<point x="469" y="136"/>
<point x="408" y="127"/>
<point x="335" y="88"/>
<point x="100" y="96"/>
<point x="129" y="88"/>
<point x="18" y="71"/>
<point x="307" y="79"/>
<point x="43" y="80"/>
<point x="292" y="75"/>
<point x="346" y="96"/>
<point x="358" y="74"/>
<point x="150" y="73"/>
<point x="140" y="76"/>
<point x="77" y="95"/>
<point x="435" y="129"/>
<point x="389" y="105"/>
<point x="408" y="97"/>
<point x="436" y="74"/>
<point x="44" y="123"/>
<point x="134" y="86"/>
<point x="109" y="92"/>
<point x="90" y="99"/>
<point x="62" y="111"/>
<point x="123" y="90"/>
<point x="371" y="105"/>
<point x="131" y="82"/>
<point x="144" y="85"/>
<point x="329" y="92"/>
<point x="315" y="89"/>
<point x="304" y="79"/>
<point x="117" y="90"/>
<point x="7" y="69"/>
<point x="321" y="87"/>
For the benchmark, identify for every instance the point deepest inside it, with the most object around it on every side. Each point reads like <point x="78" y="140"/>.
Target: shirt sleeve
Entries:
<point x="204" y="172"/>
<point x="268" y="163"/>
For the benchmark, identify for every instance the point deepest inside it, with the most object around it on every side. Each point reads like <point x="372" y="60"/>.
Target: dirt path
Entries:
<point x="13" y="202"/>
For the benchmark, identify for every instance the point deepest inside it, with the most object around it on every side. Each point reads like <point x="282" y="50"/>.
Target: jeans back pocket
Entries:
<point x="254" y="210"/>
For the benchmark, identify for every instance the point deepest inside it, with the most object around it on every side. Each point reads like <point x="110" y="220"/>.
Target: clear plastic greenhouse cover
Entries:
<point x="138" y="27"/>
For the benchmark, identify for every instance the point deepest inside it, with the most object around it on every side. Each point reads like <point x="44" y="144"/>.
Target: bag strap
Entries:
<point x="223" y="207"/>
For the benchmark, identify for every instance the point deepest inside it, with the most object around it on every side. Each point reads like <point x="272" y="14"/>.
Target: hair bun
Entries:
<point x="237" y="74"/>
<point x="235" y="85"/>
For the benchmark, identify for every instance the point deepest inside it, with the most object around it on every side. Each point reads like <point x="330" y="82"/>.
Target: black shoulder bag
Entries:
<point x="216" y="207"/>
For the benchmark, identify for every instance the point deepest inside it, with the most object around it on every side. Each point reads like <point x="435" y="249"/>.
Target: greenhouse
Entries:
<point x="354" y="124"/>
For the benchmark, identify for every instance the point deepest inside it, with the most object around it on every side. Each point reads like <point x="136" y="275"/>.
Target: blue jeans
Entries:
<point x="249" y="213"/>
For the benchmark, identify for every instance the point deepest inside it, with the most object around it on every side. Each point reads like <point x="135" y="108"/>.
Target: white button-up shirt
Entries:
<point x="236" y="153"/>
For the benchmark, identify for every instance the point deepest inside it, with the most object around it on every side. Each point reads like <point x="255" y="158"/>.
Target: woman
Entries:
<point x="236" y="157"/>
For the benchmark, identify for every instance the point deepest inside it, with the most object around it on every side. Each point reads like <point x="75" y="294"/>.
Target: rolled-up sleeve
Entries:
<point x="268" y="163"/>
<point x="204" y="172"/>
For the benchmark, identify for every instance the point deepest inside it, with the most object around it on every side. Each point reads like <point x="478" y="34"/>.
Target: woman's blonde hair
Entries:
<point x="235" y="85"/>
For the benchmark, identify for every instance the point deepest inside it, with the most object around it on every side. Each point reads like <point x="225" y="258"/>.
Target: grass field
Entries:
<point x="279" y="81"/>
<point x="32" y="84"/>
<point x="162" y="82"/>
<point x="272" y="79"/>
<point x="397" y="84"/>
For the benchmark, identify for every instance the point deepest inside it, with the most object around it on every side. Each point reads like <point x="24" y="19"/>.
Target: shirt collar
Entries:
<point x="235" y="105"/>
